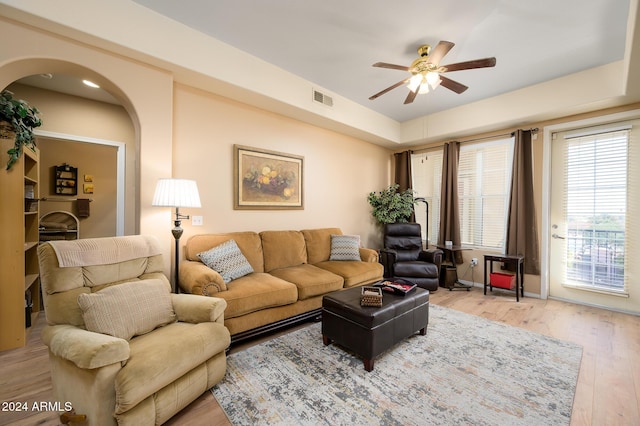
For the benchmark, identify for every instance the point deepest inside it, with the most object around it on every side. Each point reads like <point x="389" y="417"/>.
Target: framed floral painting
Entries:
<point x="267" y="179"/>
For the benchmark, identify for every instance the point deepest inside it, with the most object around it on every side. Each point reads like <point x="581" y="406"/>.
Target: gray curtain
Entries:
<point x="449" y="206"/>
<point x="522" y="229"/>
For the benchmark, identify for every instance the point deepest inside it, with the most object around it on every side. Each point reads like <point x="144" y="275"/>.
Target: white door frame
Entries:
<point x="120" y="167"/>
<point x="546" y="181"/>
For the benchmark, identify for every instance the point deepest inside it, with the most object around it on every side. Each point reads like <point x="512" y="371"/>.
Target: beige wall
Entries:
<point x="99" y="161"/>
<point x="339" y="171"/>
<point x="145" y="92"/>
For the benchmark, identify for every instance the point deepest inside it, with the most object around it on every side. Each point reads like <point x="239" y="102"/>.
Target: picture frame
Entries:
<point x="267" y="180"/>
<point x="87" y="188"/>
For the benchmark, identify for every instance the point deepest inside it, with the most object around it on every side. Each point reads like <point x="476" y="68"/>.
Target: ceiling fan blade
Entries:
<point x="476" y="63"/>
<point x="441" y="49"/>
<point x="452" y="85"/>
<point x="390" y="66"/>
<point x="388" y="89"/>
<point x="411" y="96"/>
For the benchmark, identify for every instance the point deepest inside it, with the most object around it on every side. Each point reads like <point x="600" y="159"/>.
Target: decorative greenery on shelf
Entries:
<point x="23" y="119"/>
<point x="391" y="206"/>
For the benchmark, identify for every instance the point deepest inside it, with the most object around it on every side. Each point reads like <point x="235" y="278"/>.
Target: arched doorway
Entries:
<point x="70" y="118"/>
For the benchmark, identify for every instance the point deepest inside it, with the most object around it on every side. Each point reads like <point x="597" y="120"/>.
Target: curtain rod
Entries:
<point x="533" y="130"/>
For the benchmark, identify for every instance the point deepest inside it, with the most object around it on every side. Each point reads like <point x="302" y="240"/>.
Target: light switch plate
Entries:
<point x="196" y="220"/>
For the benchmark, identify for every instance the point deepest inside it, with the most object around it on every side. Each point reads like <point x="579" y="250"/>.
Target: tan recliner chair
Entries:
<point x="118" y="283"/>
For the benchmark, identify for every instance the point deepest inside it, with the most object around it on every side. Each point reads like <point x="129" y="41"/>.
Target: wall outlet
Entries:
<point x="196" y="220"/>
<point x="474" y="262"/>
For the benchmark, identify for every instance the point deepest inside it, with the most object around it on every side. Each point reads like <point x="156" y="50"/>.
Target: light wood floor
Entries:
<point x="608" y="391"/>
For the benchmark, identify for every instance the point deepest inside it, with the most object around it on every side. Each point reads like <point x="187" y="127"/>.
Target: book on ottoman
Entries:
<point x="398" y="286"/>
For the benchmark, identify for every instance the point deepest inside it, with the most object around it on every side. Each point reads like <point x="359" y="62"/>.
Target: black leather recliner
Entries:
<point x="403" y="256"/>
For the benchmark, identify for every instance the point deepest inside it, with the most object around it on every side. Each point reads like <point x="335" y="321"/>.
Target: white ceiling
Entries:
<point x="333" y="43"/>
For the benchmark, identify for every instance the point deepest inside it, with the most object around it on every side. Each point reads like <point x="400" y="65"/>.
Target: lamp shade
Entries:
<point x="176" y="193"/>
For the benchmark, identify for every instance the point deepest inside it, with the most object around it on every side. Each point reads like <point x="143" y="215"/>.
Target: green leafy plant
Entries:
<point x="391" y="206"/>
<point x="22" y="119"/>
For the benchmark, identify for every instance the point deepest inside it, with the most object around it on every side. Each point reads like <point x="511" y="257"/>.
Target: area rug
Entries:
<point x="466" y="371"/>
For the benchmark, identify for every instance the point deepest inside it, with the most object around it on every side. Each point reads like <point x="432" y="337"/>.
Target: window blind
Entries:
<point x="484" y="179"/>
<point x="426" y="170"/>
<point x="594" y="207"/>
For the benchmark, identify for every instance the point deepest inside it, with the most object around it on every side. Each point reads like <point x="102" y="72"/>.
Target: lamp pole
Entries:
<point x="177" y="233"/>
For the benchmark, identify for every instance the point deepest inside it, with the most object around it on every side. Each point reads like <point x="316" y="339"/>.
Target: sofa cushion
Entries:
<point x="354" y="273"/>
<point x="318" y="243"/>
<point x="129" y="309"/>
<point x="345" y="247"/>
<point x="255" y="292"/>
<point x="249" y="243"/>
<point x="184" y="345"/>
<point x="227" y="260"/>
<point x="282" y="249"/>
<point x="310" y="280"/>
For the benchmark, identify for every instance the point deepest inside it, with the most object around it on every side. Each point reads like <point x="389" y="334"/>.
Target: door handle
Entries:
<point x="556" y="236"/>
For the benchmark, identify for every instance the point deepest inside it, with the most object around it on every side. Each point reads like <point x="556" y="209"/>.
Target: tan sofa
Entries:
<point x="292" y="272"/>
<point x="141" y="380"/>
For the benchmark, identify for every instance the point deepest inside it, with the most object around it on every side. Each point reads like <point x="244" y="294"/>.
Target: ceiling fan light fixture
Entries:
<point x="414" y="82"/>
<point x="422" y="81"/>
<point x="433" y="78"/>
<point x="426" y="71"/>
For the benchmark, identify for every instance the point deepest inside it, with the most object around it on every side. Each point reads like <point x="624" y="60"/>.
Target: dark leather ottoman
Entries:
<point x="369" y="331"/>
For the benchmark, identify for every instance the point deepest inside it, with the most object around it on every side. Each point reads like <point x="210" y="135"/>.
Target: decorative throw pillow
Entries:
<point x="129" y="309"/>
<point x="227" y="260"/>
<point x="345" y="247"/>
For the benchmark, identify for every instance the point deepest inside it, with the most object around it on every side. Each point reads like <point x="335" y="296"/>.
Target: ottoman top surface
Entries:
<point x="346" y="303"/>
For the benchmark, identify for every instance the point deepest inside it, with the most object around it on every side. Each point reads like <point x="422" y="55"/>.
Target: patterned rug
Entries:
<point x="466" y="371"/>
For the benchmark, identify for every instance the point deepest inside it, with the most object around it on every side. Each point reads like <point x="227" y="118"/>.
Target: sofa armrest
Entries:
<point x="85" y="349"/>
<point x="198" y="278"/>
<point x="432" y="255"/>
<point x="368" y="255"/>
<point x="196" y="309"/>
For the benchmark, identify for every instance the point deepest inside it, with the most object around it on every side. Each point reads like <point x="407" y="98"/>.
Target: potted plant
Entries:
<point x="17" y="121"/>
<point x="391" y="206"/>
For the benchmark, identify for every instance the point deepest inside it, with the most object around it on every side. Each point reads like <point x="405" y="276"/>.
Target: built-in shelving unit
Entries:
<point x="19" y="275"/>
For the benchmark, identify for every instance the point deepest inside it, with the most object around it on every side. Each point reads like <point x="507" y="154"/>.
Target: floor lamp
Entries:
<point x="177" y="193"/>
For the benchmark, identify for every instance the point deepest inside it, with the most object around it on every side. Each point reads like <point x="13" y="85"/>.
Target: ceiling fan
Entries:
<point x="426" y="71"/>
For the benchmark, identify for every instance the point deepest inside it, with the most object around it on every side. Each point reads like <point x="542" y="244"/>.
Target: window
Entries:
<point x="594" y="208"/>
<point x="426" y="170"/>
<point x="484" y="182"/>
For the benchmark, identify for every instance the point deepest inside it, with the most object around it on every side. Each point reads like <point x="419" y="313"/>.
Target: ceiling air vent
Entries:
<point x="322" y="98"/>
